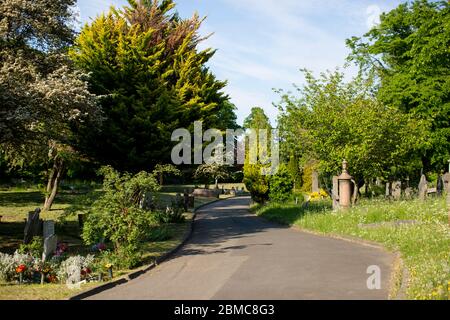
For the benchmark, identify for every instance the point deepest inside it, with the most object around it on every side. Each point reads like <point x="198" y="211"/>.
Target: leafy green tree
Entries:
<point x="212" y="170"/>
<point x="256" y="183"/>
<point x="42" y="96"/>
<point x="408" y="52"/>
<point x="257" y="119"/>
<point x="295" y="170"/>
<point x="333" y="120"/>
<point x="144" y="61"/>
<point x="162" y="169"/>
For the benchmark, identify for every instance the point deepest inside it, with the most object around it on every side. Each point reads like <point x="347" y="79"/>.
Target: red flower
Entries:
<point x="85" y="271"/>
<point x="51" y="278"/>
<point x="21" y="268"/>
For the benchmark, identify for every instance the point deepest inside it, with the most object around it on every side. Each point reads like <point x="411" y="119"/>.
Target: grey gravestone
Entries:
<point x="191" y="203"/>
<point x="388" y="189"/>
<point x="440" y="186"/>
<point x="48" y="228"/>
<point x="408" y="193"/>
<point x="335" y="193"/>
<point x="423" y="187"/>
<point x="431" y="191"/>
<point x="32" y="226"/>
<point x="396" y="190"/>
<point x="315" y="182"/>
<point x="446" y="179"/>
<point x="49" y="247"/>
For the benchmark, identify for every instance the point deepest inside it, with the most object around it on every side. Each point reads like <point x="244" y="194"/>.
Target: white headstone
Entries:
<point x="408" y="193"/>
<point x="315" y="182"/>
<point x="49" y="228"/>
<point x="446" y="179"/>
<point x="423" y="187"/>
<point x="335" y="193"/>
<point x="49" y="246"/>
<point x="396" y="190"/>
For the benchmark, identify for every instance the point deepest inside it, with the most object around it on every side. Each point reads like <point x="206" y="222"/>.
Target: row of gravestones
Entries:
<point x="186" y="201"/>
<point x="33" y="227"/>
<point x="394" y="189"/>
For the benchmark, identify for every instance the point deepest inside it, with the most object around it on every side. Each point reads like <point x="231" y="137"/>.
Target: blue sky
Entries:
<point x="262" y="44"/>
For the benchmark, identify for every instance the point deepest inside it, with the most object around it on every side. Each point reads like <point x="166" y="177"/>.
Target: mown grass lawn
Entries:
<point x="418" y="230"/>
<point x="14" y="208"/>
<point x="40" y="292"/>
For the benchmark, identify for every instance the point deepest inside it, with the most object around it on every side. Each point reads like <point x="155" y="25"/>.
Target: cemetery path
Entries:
<point x="233" y="254"/>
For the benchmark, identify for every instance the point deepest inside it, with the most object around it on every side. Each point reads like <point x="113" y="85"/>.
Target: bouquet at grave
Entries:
<point x="42" y="266"/>
<point x="109" y="268"/>
<point x="61" y="249"/>
<point x="21" y="268"/>
<point x="318" y="195"/>
<point x="22" y="263"/>
<point x="13" y="265"/>
<point x="86" y="273"/>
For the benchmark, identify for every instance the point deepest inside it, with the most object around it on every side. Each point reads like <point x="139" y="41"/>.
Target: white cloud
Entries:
<point x="263" y="43"/>
<point x="373" y="16"/>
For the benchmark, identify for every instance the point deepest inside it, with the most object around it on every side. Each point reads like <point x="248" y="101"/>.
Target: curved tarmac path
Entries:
<point x="233" y="254"/>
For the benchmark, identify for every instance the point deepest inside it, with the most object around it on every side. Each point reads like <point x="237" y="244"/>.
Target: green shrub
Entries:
<point x="281" y="185"/>
<point x="34" y="248"/>
<point x="295" y="171"/>
<point x="256" y="183"/>
<point x="116" y="215"/>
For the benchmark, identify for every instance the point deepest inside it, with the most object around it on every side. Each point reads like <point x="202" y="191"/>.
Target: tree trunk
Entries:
<point x="53" y="183"/>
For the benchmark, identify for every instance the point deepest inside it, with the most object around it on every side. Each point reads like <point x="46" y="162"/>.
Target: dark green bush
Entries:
<point x="281" y="185"/>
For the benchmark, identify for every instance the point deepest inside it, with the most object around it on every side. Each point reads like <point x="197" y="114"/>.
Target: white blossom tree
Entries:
<point x="42" y="97"/>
